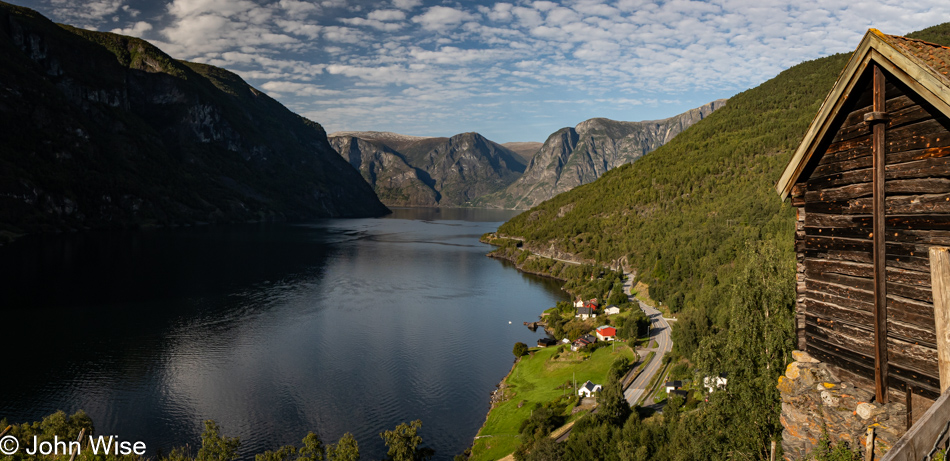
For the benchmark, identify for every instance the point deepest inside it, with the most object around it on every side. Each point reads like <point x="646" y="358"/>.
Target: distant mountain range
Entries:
<point x="469" y="170"/>
<point x="104" y="130"/>
<point x="420" y="171"/>
<point x="571" y="157"/>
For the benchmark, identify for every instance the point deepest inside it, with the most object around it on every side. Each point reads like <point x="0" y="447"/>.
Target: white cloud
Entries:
<point x="298" y="89"/>
<point x="299" y="8"/>
<point x="386" y="15"/>
<point x="342" y="34"/>
<point x="440" y="18"/>
<point x="136" y="30"/>
<point x="95" y="10"/>
<point x="610" y="54"/>
<point x="406" y="4"/>
<point x="384" y="26"/>
<point x="311" y="31"/>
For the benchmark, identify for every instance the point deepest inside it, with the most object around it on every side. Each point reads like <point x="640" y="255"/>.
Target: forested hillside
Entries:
<point x="101" y="130"/>
<point x="699" y="221"/>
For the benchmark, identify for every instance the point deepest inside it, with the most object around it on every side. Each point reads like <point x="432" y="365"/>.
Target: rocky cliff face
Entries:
<point x="574" y="156"/>
<point x="455" y="170"/>
<point x="395" y="181"/>
<point x="103" y="130"/>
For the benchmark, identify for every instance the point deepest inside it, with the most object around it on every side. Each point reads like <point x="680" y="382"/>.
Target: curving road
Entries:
<point x="660" y="332"/>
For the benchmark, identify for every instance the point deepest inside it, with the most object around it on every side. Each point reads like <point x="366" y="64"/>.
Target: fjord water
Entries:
<point x="272" y="330"/>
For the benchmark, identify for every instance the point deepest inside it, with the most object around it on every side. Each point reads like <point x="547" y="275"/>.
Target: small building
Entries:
<point x="672" y="386"/>
<point x="606" y="333"/>
<point x="590" y="338"/>
<point x="586" y="312"/>
<point x="581" y="343"/>
<point x="869" y="181"/>
<point x="612" y="310"/>
<point x="589" y="389"/>
<point x="545" y="342"/>
<point x="579" y="303"/>
<point x="714" y="383"/>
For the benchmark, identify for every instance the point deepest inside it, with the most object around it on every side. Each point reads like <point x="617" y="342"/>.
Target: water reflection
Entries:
<point x="272" y="330"/>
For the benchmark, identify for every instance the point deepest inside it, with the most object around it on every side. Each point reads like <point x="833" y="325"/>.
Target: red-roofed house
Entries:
<point x="606" y="333"/>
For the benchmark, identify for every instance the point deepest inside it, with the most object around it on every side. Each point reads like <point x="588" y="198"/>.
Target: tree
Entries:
<point x="520" y="349"/>
<point x="346" y="449"/>
<point x="403" y="443"/>
<point x="312" y="448"/>
<point x="613" y="407"/>
<point x="214" y="447"/>
<point x="284" y="453"/>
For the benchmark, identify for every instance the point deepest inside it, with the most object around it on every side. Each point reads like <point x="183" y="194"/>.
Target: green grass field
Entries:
<point x="535" y="380"/>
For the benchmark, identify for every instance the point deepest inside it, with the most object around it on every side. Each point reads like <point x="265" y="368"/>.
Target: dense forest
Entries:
<point x="699" y="221"/>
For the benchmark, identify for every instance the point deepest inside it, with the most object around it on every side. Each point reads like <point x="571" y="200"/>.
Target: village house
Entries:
<point x="871" y="185"/>
<point x="579" y="344"/>
<point x="606" y="333"/>
<point x="589" y="389"/>
<point x="545" y="342"/>
<point x="586" y="312"/>
<point x="714" y="383"/>
<point x="672" y="386"/>
<point x="612" y="310"/>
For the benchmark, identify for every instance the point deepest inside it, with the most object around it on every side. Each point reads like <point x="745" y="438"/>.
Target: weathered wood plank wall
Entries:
<point x="834" y="239"/>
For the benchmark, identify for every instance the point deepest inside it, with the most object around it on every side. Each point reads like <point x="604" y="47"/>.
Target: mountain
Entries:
<point x="394" y="180"/>
<point x="525" y="150"/>
<point x="102" y="130"/>
<point x="429" y="171"/>
<point x="680" y="216"/>
<point x="574" y="156"/>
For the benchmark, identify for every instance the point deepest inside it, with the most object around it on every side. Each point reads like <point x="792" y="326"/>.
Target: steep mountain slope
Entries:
<point x="103" y="130"/>
<point x="680" y="215"/>
<point x="574" y="156"/>
<point x="456" y="170"/>
<point x="394" y="180"/>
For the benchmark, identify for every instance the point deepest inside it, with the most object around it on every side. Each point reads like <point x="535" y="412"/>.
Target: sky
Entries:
<point x="512" y="71"/>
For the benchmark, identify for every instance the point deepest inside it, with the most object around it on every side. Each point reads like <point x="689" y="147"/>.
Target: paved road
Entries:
<point x="660" y="332"/>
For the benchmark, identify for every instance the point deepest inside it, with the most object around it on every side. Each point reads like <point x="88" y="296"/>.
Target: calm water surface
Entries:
<point x="271" y="330"/>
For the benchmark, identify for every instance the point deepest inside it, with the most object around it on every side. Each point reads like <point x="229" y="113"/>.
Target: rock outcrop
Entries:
<point x="571" y="157"/>
<point x="815" y="404"/>
<point x="102" y="130"/>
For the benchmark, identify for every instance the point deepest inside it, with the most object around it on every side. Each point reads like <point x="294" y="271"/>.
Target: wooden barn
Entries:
<point x="871" y="182"/>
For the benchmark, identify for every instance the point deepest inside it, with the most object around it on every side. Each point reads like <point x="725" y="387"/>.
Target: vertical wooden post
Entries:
<point x="72" y="456"/>
<point x="909" y="397"/>
<point x="940" y="284"/>
<point x="772" y="453"/>
<point x="880" y="274"/>
<point x="869" y="445"/>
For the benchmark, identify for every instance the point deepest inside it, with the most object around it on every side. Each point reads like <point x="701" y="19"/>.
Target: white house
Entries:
<point x="712" y="383"/>
<point x="585" y="313"/>
<point x="612" y="310"/>
<point x="673" y="385"/>
<point x="588" y="389"/>
<point x="578" y="303"/>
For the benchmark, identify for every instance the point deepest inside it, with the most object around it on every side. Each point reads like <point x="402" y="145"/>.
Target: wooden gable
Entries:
<point x="876" y="160"/>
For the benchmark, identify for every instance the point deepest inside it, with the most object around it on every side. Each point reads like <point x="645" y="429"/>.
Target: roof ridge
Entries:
<point x="918" y="41"/>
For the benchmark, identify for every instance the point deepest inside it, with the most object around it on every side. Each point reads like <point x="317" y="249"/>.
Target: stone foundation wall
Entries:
<point x="816" y="403"/>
